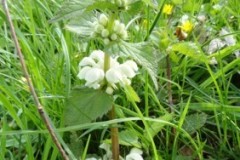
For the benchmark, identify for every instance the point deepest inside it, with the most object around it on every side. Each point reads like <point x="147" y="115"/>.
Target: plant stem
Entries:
<point x="169" y="85"/>
<point x="114" y="136"/>
<point x="40" y="109"/>
<point x="114" y="130"/>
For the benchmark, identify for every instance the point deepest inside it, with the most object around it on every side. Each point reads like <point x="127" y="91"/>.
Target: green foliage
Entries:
<point x="156" y="127"/>
<point x="194" y="122"/>
<point x="131" y="94"/>
<point x="85" y="105"/>
<point x="189" y="49"/>
<point x="70" y="9"/>
<point x="129" y="138"/>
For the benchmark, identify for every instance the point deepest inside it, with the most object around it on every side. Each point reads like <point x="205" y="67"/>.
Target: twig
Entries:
<point x="30" y="85"/>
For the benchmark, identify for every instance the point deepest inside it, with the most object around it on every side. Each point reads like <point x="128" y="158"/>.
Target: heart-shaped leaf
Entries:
<point x="85" y="105"/>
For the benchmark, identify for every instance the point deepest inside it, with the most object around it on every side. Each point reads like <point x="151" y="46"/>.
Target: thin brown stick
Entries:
<point x="114" y="137"/>
<point x="30" y="85"/>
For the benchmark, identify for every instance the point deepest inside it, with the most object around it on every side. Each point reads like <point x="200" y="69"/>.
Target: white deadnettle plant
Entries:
<point x="91" y="69"/>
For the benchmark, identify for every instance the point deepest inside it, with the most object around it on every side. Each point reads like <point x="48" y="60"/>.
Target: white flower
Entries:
<point x="87" y="61"/>
<point x="92" y="158"/>
<point x="91" y="69"/>
<point x="215" y="45"/>
<point x="107" y="148"/>
<point x="201" y="18"/>
<point x="135" y="154"/>
<point x="114" y="75"/>
<point x="229" y="39"/>
<point x="97" y="55"/>
<point x="121" y="73"/>
<point x="94" y="77"/>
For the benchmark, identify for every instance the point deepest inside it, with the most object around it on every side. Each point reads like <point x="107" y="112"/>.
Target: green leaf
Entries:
<point x="156" y="127"/>
<point x="215" y="106"/>
<point x="70" y="9"/>
<point x="224" y="52"/>
<point x="83" y="26"/>
<point x="129" y="138"/>
<point x="101" y="5"/>
<point x="194" y="122"/>
<point x="189" y="49"/>
<point x="85" y="105"/>
<point x="131" y="94"/>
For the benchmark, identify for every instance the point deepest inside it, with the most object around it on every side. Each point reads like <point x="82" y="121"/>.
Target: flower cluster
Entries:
<point x="92" y="71"/>
<point x="109" y="30"/>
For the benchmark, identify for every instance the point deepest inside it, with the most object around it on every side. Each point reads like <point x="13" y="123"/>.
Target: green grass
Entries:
<point x="52" y="55"/>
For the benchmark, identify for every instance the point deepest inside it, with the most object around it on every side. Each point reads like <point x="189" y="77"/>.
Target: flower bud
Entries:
<point x="114" y="37"/>
<point x="98" y="28"/>
<point x="109" y="90"/>
<point x="106" y="41"/>
<point x="105" y="33"/>
<point x="124" y="34"/>
<point x="103" y="20"/>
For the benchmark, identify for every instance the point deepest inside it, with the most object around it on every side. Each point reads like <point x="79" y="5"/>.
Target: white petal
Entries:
<point x="230" y="40"/>
<point x="93" y="158"/>
<point x="136" y="150"/>
<point x="215" y="45"/>
<point x="87" y="61"/>
<point x="97" y="55"/>
<point x="127" y="71"/>
<point x="132" y="64"/>
<point x="114" y="63"/>
<point x="83" y="71"/>
<point x="114" y="75"/>
<point x="94" y="75"/>
<point x="237" y="53"/>
<point x="134" y="156"/>
<point x="108" y="150"/>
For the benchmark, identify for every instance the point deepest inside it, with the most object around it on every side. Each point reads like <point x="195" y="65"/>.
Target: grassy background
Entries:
<point x="52" y="55"/>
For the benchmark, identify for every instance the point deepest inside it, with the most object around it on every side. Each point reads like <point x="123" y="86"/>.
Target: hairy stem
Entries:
<point x="114" y="137"/>
<point x="114" y="130"/>
<point x="40" y="109"/>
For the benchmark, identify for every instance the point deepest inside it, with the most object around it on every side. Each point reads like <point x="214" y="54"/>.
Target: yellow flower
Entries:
<point x="167" y="9"/>
<point x="187" y="26"/>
